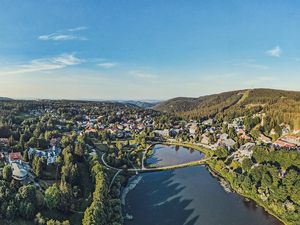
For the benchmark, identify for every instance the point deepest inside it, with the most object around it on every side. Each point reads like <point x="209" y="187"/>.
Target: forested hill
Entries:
<point x="141" y="104"/>
<point x="282" y="106"/>
<point x="5" y="99"/>
<point x="200" y="107"/>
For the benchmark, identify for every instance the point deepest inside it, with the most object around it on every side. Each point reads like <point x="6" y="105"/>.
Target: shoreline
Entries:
<point x="133" y="181"/>
<point x="227" y="187"/>
<point x="205" y="151"/>
<point x="249" y="197"/>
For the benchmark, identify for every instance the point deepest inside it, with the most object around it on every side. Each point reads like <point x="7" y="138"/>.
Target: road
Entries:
<point x="144" y="169"/>
<point x="193" y="163"/>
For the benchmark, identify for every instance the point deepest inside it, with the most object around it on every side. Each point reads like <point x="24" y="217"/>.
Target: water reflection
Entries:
<point x="190" y="196"/>
<point x="166" y="155"/>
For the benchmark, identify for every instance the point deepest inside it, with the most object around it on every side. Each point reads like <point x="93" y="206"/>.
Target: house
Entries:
<point x="272" y="132"/>
<point x="282" y="144"/>
<point x="4" y="141"/>
<point x="193" y="129"/>
<point x="59" y="127"/>
<point x="223" y="136"/>
<point x="50" y="154"/>
<point x="173" y="132"/>
<point x="204" y="139"/>
<point x="291" y="139"/>
<point x="140" y="126"/>
<point x="237" y="123"/>
<point x="246" y="137"/>
<point x="120" y="134"/>
<point x="265" y="139"/>
<point x="14" y="156"/>
<point x="212" y="130"/>
<point x="35" y="152"/>
<point x="93" y="152"/>
<point x="2" y="156"/>
<point x="127" y="133"/>
<point x="241" y="131"/>
<point x="244" y="151"/>
<point x="285" y="128"/>
<point x="208" y="122"/>
<point x="91" y="131"/>
<point x="296" y="132"/>
<point x="163" y="133"/>
<point x="229" y="143"/>
<point x="120" y="127"/>
<point x="54" y="141"/>
<point x="19" y="171"/>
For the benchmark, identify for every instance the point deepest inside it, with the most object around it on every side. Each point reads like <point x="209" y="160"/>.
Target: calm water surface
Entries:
<point x="189" y="196"/>
<point x="167" y="155"/>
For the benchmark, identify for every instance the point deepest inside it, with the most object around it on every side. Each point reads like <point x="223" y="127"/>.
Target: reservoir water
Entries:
<point x="188" y="196"/>
<point x="167" y="155"/>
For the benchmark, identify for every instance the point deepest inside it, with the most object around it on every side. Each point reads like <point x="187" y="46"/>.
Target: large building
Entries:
<point x="14" y="156"/>
<point x="19" y="171"/>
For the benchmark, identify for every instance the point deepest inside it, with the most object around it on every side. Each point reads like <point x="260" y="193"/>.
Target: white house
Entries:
<point x="19" y="171"/>
<point x="50" y="154"/>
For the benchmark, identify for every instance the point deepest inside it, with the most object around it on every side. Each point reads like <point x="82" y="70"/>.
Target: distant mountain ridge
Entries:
<point x="202" y="106"/>
<point x="5" y="99"/>
<point x="141" y="104"/>
<point x="284" y="106"/>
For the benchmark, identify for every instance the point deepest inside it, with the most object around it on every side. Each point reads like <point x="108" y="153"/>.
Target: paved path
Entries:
<point x="144" y="169"/>
<point x="113" y="180"/>
<point x="145" y="155"/>
<point x="193" y="163"/>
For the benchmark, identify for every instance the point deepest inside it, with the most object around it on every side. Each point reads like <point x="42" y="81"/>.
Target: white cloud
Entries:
<point x="44" y="64"/>
<point x="275" y="52"/>
<point x="254" y="66"/>
<point x="142" y="75"/>
<point x="77" y="28"/>
<point x="67" y="59"/>
<point x="64" y="35"/>
<point x="107" y="65"/>
<point x="60" y="37"/>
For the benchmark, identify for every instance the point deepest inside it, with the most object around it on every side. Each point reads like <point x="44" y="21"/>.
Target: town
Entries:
<point x="235" y="136"/>
<point x="51" y="144"/>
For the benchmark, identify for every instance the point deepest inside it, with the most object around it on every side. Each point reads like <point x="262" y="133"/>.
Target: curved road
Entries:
<point x="193" y="163"/>
<point x="144" y="169"/>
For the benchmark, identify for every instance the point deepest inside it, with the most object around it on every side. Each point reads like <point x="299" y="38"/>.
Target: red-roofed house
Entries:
<point x="282" y="144"/>
<point x="14" y="156"/>
<point x="246" y="137"/>
<point x="291" y="139"/>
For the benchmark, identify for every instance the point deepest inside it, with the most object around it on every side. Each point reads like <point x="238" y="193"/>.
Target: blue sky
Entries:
<point x="140" y="49"/>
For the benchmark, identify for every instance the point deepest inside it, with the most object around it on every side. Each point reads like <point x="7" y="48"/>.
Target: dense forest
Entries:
<point x="205" y="106"/>
<point x="271" y="178"/>
<point x="77" y="187"/>
<point x="282" y="106"/>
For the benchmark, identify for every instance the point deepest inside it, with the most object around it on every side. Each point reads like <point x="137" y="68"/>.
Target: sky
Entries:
<point x="141" y="49"/>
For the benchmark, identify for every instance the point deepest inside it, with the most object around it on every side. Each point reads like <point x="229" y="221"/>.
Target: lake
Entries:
<point x="167" y="155"/>
<point x="188" y="196"/>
